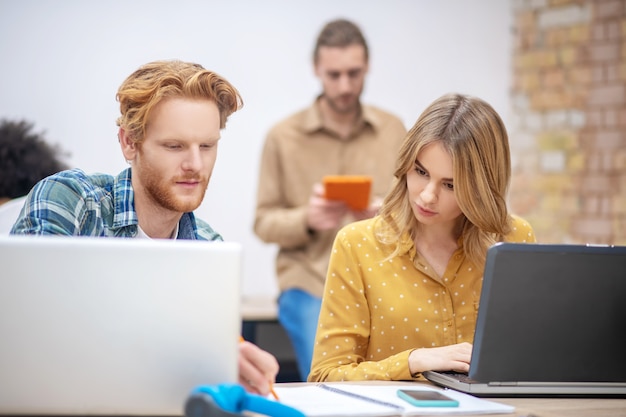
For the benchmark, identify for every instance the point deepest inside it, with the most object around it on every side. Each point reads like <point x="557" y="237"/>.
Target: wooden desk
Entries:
<point x="259" y="308"/>
<point x="566" y="407"/>
<point x="541" y="407"/>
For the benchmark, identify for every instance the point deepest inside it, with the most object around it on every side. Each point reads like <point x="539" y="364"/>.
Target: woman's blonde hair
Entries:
<point x="158" y="80"/>
<point x="475" y="137"/>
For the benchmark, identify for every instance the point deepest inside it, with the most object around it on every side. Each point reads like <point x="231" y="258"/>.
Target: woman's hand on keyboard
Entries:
<point x="446" y="358"/>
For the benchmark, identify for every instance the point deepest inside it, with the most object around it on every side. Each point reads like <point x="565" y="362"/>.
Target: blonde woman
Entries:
<point x="402" y="290"/>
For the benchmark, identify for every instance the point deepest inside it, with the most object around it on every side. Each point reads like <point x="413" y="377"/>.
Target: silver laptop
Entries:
<point x="115" y="326"/>
<point x="551" y="321"/>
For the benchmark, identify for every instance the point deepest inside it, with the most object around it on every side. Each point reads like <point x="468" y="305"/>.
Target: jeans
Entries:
<point x="298" y="312"/>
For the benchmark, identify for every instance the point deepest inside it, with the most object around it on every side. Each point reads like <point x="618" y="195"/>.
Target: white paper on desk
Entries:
<point x="315" y="401"/>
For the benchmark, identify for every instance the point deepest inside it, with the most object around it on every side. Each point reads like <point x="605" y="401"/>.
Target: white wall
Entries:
<point x="62" y="62"/>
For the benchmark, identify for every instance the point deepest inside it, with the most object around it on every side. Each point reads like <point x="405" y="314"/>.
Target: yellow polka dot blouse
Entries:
<point x="375" y="313"/>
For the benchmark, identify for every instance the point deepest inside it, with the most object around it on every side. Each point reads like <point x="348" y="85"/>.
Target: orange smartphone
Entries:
<point x="354" y="190"/>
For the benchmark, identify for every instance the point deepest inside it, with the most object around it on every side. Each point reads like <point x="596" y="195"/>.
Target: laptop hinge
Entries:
<point x="503" y="383"/>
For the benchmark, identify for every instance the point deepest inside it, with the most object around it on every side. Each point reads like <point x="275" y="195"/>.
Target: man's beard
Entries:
<point x="159" y="189"/>
<point x="339" y="106"/>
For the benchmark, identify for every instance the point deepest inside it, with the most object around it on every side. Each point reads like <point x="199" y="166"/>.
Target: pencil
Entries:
<point x="241" y="339"/>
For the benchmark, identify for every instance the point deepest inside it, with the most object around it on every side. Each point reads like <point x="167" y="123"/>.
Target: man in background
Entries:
<point x="336" y="135"/>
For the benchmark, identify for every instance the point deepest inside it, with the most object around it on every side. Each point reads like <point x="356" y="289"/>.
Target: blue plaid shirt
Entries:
<point x="76" y="204"/>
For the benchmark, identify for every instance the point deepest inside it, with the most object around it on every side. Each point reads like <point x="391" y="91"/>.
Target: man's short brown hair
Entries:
<point x="340" y="33"/>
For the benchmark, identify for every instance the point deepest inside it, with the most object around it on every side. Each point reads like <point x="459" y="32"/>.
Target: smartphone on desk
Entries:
<point x="424" y="398"/>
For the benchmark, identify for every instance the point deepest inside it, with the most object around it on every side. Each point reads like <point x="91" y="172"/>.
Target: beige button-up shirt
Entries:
<point x="299" y="152"/>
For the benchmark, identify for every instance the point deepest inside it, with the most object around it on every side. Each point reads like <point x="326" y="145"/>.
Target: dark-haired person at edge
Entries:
<point x="26" y="157"/>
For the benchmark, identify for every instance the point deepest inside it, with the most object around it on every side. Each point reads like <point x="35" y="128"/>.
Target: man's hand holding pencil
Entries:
<point x="257" y="369"/>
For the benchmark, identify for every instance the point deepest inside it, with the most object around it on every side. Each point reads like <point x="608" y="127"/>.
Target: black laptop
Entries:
<point x="551" y="322"/>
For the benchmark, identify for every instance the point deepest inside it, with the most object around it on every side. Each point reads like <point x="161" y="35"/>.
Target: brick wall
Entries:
<point x="568" y="131"/>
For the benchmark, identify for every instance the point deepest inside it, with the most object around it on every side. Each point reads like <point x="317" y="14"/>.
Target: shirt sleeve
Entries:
<point x="54" y="206"/>
<point x="342" y="340"/>
<point x="274" y="221"/>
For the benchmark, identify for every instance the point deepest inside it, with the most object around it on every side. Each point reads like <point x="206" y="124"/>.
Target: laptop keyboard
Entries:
<point x="459" y="376"/>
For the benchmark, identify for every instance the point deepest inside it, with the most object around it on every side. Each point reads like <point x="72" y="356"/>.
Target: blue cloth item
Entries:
<point x="298" y="312"/>
<point x="229" y="400"/>
<point x="76" y="204"/>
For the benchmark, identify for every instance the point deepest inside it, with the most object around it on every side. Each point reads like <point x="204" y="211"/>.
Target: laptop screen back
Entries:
<point x="115" y="326"/>
<point x="552" y="313"/>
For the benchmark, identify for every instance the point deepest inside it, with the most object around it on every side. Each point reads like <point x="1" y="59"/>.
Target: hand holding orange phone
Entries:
<point x="354" y="190"/>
